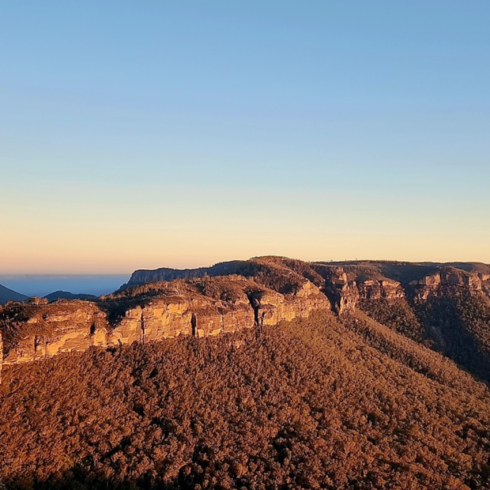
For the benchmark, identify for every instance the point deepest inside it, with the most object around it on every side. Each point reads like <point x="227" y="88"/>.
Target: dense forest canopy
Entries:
<point x="318" y="403"/>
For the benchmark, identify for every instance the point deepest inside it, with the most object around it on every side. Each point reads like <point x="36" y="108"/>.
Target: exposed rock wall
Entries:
<point x="202" y="307"/>
<point x="270" y="289"/>
<point x="346" y="289"/>
<point x="51" y="329"/>
<point x="348" y="286"/>
<point x="166" y="274"/>
<point x="450" y="281"/>
<point x="342" y="293"/>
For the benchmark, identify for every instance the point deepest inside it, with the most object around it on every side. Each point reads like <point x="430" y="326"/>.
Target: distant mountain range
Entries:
<point x="67" y="295"/>
<point x="7" y="294"/>
<point x="43" y="284"/>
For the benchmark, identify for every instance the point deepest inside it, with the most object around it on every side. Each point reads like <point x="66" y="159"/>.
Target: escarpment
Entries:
<point x="443" y="306"/>
<point x="450" y="281"/>
<point x="346" y="284"/>
<point x="37" y="330"/>
<point x="200" y="307"/>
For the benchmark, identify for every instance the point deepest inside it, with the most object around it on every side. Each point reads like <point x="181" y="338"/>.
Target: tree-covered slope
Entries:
<point x="444" y="306"/>
<point x="318" y="403"/>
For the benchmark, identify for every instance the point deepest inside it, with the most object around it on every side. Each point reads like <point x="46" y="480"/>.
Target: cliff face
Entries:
<point x="199" y="307"/>
<point x="165" y="274"/>
<point x="348" y="284"/>
<point x="450" y="281"/>
<point x="446" y="306"/>
<point x="35" y="331"/>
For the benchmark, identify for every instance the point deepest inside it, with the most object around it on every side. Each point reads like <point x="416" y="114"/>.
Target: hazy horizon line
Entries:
<point x="113" y="274"/>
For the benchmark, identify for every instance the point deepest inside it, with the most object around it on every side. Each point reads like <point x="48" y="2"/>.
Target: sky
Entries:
<point x="143" y="134"/>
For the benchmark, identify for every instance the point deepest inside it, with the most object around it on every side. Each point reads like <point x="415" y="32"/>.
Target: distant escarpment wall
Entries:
<point x="349" y="286"/>
<point x="203" y="307"/>
<point x="346" y="284"/>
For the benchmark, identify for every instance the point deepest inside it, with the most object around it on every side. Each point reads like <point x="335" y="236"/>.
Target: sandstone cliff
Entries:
<point x="199" y="307"/>
<point x="345" y="283"/>
<point x="446" y="306"/>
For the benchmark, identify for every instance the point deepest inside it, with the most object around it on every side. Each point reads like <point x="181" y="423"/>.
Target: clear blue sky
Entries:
<point x="139" y="134"/>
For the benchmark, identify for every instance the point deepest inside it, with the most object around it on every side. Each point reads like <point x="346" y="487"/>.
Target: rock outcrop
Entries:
<point x="342" y="293"/>
<point x="450" y="281"/>
<point x="344" y="283"/>
<point x="348" y="284"/>
<point x="230" y="296"/>
<point x="199" y="307"/>
<point x="34" y="331"/>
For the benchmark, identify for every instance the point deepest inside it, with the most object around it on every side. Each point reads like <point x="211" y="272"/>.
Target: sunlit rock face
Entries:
<point x="341" y="292"/>
<point x="152" y="312"/>
<point x="37" y="330"/>
<point x="232" y="296"/>
<point x="450" y="281"/>
<point x="348" y="284"/>
<point x="274" y="307"/>
<point x="373" y="289"/>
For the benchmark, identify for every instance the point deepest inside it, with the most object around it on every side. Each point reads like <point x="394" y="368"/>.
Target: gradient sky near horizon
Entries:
<point x="142" y="134"/>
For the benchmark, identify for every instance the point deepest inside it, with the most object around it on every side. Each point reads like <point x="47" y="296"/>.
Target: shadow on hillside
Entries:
<point x="81" y="478"/>
<point x="454" y="338"/>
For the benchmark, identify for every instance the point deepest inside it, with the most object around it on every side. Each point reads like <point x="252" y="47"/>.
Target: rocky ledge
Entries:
<point x="166" y="303"/>
<point x="151" y="312"/>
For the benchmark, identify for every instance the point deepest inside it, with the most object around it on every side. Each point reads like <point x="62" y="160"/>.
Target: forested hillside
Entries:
<point x="319" y="403"/>
<point x="445" y="306"/>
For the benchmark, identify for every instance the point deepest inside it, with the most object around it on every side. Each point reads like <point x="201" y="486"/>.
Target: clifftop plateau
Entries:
<point x="445" y="306"/>
<point x="361" y="279"/>
<point x="155" y="311"/>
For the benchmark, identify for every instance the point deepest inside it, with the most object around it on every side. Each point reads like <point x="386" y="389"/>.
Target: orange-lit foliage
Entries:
<point x="307" y="404"/>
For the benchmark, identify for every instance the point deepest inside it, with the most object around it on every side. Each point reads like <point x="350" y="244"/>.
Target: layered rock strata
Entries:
<point x="346" y="284"/>
<point x="350" y="284"/>
<point x="199" y="307"/>
<point x="214" y="300"/>
<point x="450" y="281"/>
